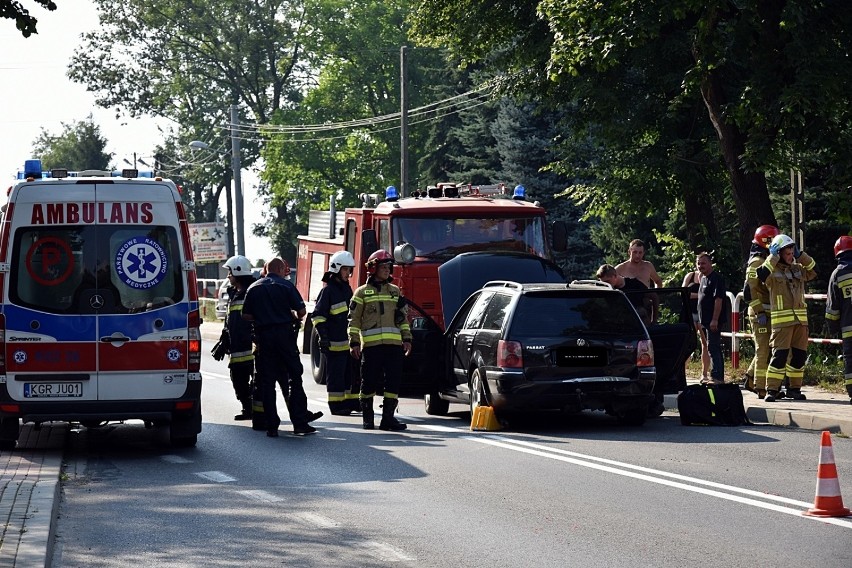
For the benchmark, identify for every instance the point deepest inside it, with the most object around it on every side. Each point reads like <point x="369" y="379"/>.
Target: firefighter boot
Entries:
<point x="367" y="413"/>
<point x="389" y="422"/>
<point x="796" y="394"/>
<point x="245" y="413"/>
<point x="771" y="396"/>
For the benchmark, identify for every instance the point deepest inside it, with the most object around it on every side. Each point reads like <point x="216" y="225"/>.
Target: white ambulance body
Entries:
<point x="99" y="315"/>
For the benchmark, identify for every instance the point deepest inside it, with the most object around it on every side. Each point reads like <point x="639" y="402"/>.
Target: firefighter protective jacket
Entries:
<point x="331" y="314"/>
<point x="838" y="308"/>
<point x="786" y="285"/>
<point x="378" y="316"/>
<point x="756" y="293"/>
<point x="239" y="330"/>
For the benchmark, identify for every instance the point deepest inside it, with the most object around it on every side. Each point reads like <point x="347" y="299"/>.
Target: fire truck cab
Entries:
<point x="422" y="231"/>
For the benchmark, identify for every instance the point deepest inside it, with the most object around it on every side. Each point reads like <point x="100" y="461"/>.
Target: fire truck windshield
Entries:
<point x="443" y="238"/>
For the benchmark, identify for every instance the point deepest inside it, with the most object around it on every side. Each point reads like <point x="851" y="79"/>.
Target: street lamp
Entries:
<point x="138" y="159"/>
<point x="238" y="190"/>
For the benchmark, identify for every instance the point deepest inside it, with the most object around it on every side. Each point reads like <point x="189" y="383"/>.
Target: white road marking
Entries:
<point x="261" y="495"/>
<point x="175" y="459"/>
<point x="316" y="520"/>
<point x="386" y="552"/>
<point x="619" y="468"/>
<point x="216" y="476"/>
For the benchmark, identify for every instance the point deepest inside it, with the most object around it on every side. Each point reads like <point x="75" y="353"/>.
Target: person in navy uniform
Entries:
<point x="276" y="308"/>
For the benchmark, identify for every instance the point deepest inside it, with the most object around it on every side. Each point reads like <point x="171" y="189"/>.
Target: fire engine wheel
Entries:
<point x="435" y="405"/>
<point x="317" y="359"/>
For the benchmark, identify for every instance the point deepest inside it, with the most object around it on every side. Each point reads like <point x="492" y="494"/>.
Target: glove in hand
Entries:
<point x="796" y="252"/>
<point x="762" y="319"/>
<point x="773" y="249"/>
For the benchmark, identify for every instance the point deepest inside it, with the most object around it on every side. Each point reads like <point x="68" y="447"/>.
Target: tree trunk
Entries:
<point x="751" y="195"/>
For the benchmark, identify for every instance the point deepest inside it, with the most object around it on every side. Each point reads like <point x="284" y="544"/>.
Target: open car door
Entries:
<point x="673" y="334"/>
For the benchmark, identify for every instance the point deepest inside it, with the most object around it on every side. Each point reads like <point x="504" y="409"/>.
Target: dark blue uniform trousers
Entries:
<point x="277" y="360"/>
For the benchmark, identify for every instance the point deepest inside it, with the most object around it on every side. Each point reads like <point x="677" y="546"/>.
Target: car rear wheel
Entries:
<point x="477" y="391"/>
<point x="435" y="405"/>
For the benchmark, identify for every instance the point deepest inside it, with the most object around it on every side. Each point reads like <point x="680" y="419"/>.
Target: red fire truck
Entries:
<point x="422" y="231"/>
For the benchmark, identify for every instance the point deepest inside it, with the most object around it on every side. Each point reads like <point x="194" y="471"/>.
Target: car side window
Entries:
<point x="495" y="314"/>
<point x="477" y="312"/>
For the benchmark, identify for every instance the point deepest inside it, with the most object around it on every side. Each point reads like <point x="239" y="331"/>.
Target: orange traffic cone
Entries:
<point x="828" y="502"/>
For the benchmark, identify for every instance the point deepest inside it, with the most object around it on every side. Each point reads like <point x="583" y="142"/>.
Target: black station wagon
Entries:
<point x="570" y="347"/>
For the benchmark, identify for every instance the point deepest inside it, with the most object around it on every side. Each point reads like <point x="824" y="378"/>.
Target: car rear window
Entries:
<point x="560" y="314"/>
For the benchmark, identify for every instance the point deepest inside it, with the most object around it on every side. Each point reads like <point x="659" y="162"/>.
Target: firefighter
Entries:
<point x="838" y="309"/>
<point x="378" y="322"/>
<point x="756" y="296"/>
<point x="331" y="319"/>
<point x="785" y="272"/>
<point x="238" y="330"/>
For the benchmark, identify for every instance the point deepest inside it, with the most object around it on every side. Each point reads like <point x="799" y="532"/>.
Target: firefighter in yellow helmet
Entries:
<point x="838" y="309"/>
<point x="380" y="333"/>
<point x="785" y="272"/>
<point x="756" y="295"/>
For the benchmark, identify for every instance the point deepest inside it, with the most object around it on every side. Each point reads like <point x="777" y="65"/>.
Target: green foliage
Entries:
<point x="25" y="23"/>
<point x="79" y="146"/>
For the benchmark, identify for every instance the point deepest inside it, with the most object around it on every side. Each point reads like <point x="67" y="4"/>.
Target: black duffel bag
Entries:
<point x="712" y="405"/>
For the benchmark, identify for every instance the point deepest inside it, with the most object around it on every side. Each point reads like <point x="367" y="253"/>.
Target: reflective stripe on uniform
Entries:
<point x="339" y="308"/>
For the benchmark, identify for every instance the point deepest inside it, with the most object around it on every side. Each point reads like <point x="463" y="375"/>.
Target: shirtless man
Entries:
<point x="639" y="268"/>
<point x="643" y="271"/>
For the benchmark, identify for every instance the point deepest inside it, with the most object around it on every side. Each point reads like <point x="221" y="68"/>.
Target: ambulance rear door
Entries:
<point x="142" y="326"/>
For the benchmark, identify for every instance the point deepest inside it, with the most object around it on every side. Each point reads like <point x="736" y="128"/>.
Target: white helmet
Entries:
<point x="782" y="241"/>
<point x="238" y="265"/>
<point x="340" y="258"/>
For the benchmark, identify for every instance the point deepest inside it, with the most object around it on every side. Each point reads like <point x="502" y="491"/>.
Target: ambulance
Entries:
<point x="99" y="318"/>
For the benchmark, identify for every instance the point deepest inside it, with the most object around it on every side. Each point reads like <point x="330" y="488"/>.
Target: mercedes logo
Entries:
<point x="96" y="301"/>
<point x="581" y="342"/>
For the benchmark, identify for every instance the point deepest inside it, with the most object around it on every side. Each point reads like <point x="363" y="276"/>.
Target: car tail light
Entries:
<point x="194" y="343"/>
<point x="509" y="354"/>
<point x="645" y="353"/>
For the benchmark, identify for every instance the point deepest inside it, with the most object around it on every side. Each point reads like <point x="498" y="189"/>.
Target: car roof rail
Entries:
<point x="503" y="284"/>
<point x="590" y="284"/>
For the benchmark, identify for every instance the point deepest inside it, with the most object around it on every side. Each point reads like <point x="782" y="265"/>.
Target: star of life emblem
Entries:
<point x="141" y="263"/>
<point x="20" y="357"/>
<point x="174" y="355"/>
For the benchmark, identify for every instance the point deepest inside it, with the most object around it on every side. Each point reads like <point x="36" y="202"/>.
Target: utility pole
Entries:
<point x="797" y="208"/>
<point x="403" y="120"/>
<point x="238" y="182"/>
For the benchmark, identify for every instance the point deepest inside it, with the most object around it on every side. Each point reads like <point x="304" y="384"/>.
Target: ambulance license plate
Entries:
<point x="53" y="390"/>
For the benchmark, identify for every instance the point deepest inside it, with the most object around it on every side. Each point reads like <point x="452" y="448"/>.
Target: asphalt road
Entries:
<point x="551" y="492"/>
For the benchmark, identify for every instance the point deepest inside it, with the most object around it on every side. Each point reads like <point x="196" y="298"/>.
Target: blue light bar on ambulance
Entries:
<point x="391" y="194"/>
<point x="520" y="192"/>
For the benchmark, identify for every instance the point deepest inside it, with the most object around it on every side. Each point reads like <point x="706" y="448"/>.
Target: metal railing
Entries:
<point x="735" y="334"/>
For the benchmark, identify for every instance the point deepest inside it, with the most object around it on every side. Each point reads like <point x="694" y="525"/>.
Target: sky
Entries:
<point x="36" y="94"/>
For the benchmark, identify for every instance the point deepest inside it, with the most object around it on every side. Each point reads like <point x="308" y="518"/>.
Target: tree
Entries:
<point x="25" y="23"/>
<point x="79" y="146"/>
<point x="774" y="92"/>
<point x="188" y="61"/>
